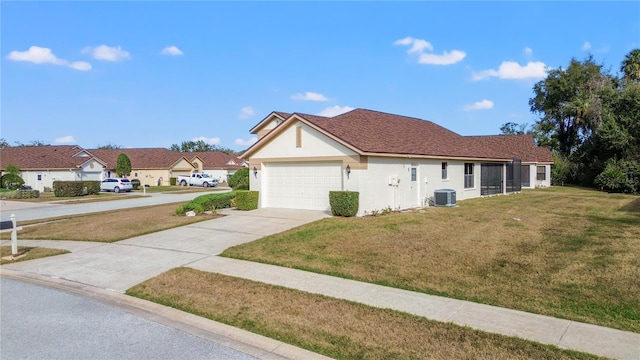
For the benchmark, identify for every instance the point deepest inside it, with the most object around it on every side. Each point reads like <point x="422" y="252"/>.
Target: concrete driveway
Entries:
<point x="121" y="265"/>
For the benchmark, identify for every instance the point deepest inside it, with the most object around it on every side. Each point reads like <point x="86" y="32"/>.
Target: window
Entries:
<point x="39" y="177"/>
<point x="468" y="175"/>
<point x="298" y="136"/>
<point x="414" y="174"/>
<point x="135" y="174"/>
<point x="541" y="173"/>
<point x="444" y="171"/>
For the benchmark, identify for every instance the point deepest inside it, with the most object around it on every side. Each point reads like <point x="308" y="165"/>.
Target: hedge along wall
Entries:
<point x="247" y="200"/>
<point x="75" y="188"/>
<point x="344" y="203"/>
<point x="207" y="202"/>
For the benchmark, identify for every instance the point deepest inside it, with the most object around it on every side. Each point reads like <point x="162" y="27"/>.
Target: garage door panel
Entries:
<point x="302" y="185"/>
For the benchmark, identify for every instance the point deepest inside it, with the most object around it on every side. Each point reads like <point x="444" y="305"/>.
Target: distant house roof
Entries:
<point x="44" y="157"/>
<point x="144" y="158"/>
<point x="369" y="132"/>
<point x="216" y="160"/>
<point x="275" y="114"/>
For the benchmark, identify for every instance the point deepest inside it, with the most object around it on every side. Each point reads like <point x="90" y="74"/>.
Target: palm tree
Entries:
<point x="631" y="65"/>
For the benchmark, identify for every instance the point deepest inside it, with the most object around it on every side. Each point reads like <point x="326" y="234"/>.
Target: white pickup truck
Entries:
<point x="197" y="179"/>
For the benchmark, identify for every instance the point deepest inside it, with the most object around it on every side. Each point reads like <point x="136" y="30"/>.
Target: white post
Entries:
<point x="144" y="191"/>
<point x="14" y="236"/>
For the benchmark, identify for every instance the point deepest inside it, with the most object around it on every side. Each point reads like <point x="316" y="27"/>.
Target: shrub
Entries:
<point x="240" y="179"/>
<point x="27" y="194"/>
<point x="619" y="176"/>
<point x="173" y="181"/>
<point x="75" y="188"/>
<point x="135" y="183"/>
<point x="247" y="200"/>
<point x="209" y="202"/>
<point x="344" y="203"/>
<point x="11" y="181"/>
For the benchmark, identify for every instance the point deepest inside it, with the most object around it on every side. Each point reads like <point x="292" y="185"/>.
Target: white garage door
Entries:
<point x="301" y="185"/>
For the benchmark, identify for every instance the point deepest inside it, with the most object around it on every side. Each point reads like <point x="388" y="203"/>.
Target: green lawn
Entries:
<point x="566" y="252"/>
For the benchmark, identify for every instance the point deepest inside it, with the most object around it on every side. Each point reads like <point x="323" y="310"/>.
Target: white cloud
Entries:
<point x="107" y="53"/>
<point x="586" y="46"/>
<point x="80" y="65"/>
<point x="335" y="111"/>
<point x="36" y="55"/>
<point x="513" y="70"/>
<point x="309" y="96"/>
<point x="65" y="140"/>
<point x="41" y="55"/>
<point x="171" y="50"/>
<point x="528" y="51"/>
<point x="210" y="141"/>
<point x="419" y="46"/>
<point x="246" y="112"/>
<point x="247" y="142"/>
<point x="479" y="105"/>
<point x="447" y="58"/>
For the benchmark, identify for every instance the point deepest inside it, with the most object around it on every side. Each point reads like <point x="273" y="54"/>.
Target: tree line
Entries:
<point x="590" y="118"/>
<point x="185" y="146"/>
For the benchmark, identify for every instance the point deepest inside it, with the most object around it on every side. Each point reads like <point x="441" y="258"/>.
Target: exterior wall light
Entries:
<point x="348" y="170"/>
<point x="255" y="172"/>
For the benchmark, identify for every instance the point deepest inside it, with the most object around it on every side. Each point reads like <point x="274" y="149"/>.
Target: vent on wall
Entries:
<point x="445" y="197"/>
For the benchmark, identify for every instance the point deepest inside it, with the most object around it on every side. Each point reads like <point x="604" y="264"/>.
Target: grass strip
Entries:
<point x="336" y="328"/>
<point x="109" y="226"/>
<point x="30" y="253"/>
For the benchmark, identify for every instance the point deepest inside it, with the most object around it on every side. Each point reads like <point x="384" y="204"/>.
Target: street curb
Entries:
<point x="244" y="341"/>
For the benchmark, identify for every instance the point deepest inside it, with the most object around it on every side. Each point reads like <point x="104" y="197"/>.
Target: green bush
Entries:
<point x="619" y="176"/>
<point x="247" y="200"/>
<point x="27" y="194"/>
<point x="135" y="183"/>
<point x="344" y="203"/>
<point x="209" y="202"/>
<point x="93" y="187"/>
<point x="173" y="181"/>
<point x="240" y="179"/>
<point x="11" y="181"/>
<point x="75" y="188"/>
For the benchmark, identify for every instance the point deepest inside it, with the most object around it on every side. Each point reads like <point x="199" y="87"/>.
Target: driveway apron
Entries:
<point x="119" y="266"/>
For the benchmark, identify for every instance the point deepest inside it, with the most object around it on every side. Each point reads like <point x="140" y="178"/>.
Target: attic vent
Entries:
<point x="445" y="197"/>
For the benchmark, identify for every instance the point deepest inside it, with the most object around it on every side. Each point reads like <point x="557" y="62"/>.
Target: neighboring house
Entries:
<point x="40" y="166"/>
<point x="216" y="164"/>
<point x="152" y="166"/>
<point x="391" y="160"/>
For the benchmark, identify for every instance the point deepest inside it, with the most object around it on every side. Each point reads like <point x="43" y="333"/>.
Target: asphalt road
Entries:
<point x="38" y="322"/>
<point x="40" y="210"/>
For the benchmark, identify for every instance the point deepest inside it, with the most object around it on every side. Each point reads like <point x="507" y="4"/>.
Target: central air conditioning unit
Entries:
<point x="445" y="197"/>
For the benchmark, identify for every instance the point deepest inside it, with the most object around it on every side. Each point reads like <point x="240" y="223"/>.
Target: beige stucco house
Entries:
<point x="393" y="161"/>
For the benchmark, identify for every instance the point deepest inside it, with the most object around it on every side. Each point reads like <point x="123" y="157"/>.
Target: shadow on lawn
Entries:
<point x="633" y="207"/>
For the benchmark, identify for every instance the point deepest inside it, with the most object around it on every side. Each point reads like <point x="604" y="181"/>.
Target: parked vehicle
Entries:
<point x="116" y="185"/>
<point x="197" y="179"/>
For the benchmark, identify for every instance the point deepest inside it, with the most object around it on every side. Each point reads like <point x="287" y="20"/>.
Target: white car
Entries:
<point x="116" y="185"/>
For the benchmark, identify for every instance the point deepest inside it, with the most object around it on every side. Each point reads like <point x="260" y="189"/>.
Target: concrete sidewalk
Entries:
<point x="121" y="265"/>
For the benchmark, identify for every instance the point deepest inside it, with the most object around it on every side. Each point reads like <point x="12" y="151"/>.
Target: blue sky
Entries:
<point x="152" y="74"/>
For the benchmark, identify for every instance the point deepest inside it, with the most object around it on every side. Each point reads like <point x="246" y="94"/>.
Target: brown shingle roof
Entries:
<point x="213" y="160"/>
<point x="145" y="158"/>
<point x="512" y="146"/>
<point x="42" y="157"/>
<point x="374" y="132"/>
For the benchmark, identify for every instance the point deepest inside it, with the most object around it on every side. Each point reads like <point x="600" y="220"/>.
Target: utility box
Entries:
<point x="445" y="197"/>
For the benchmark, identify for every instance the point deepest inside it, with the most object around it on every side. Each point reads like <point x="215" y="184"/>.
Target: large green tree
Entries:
<point x="570" y="103"/>
<point x="630" y="67"/>
<point x="591" y="120"/>
<point x="123" y="165"/>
